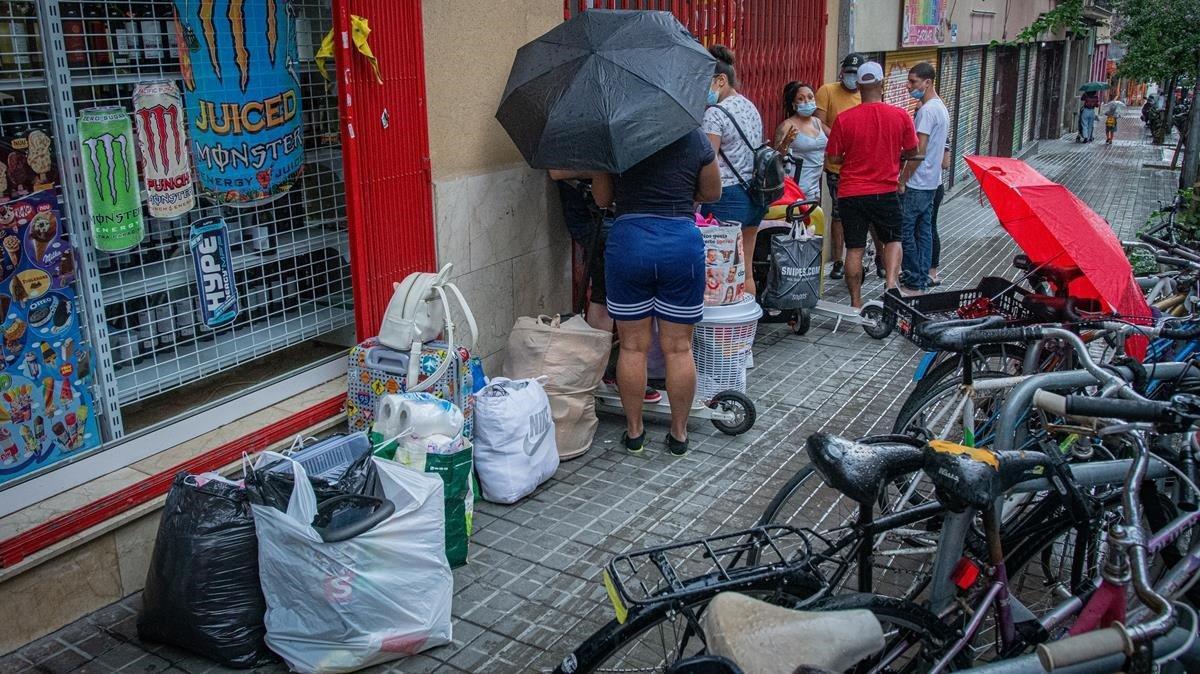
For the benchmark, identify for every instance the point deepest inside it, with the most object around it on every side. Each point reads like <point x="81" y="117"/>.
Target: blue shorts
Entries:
<point x="735" y="206"/>
<point x="655" y="267"/>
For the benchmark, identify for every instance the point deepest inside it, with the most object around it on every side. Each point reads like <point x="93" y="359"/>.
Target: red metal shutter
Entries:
<point x="385" y="141"/>
<point x="776" y="41"/>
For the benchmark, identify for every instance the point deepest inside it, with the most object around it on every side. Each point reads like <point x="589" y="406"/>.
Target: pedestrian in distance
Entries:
<point x="803" y="137"/>
<point x="1090" y="102"/>
<point x="832" y="100"/>
<point x="735" y="129"/>
<point x="921" y="177"/>
<point x="1112" y="111"/>
<point x="868" y="143"/>
<point x="655" y="271"/>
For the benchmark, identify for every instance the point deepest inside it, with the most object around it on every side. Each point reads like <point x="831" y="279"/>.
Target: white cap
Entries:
<point x="870" y="73"/>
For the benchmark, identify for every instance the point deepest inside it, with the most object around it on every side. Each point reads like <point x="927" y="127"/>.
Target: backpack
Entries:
<point x="766" y="183"/>
<point x="418" y="312"/>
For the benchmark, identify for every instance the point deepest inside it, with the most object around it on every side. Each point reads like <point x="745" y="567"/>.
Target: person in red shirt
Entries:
<point x="869" y="141"/>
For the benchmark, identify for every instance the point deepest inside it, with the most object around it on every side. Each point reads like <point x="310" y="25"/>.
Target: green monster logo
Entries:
<point x="100" y="150"/>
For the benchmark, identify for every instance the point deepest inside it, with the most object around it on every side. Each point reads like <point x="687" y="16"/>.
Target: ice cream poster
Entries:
<point x="46" y="409"/>
<point x="27" y="164"/>
<point x="241" y="91"/>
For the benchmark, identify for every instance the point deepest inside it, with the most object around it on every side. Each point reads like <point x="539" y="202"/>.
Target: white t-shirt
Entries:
<point x="933" y="119"/>
<point x="717" y="123"/>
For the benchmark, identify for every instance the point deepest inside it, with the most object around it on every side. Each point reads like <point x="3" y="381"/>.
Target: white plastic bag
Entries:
<point x="515" y="447"/>
<point x="382" y="595"/>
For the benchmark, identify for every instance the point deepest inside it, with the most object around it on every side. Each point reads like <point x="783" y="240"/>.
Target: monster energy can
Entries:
<point x="110" y="178"/>
<point x="166" y="165"/>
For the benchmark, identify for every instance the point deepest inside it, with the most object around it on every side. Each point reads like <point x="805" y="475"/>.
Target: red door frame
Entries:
<point x="385" y="153"/>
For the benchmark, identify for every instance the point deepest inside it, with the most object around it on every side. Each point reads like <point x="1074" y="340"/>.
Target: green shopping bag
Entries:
<point x="457" y="473"/>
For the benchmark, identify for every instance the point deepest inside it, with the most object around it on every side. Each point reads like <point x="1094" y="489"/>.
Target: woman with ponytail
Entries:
<point x="730" y="121"/>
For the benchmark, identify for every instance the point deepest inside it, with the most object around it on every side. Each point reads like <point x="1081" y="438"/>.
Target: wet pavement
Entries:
<point x="532" y="589"/>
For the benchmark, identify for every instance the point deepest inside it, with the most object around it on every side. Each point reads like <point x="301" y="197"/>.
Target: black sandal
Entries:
<point x="634" y="445"/>
<point x="676" y="447"/>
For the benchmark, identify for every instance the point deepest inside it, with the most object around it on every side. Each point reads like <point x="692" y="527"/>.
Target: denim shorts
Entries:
<point x="655" y="267"/>
<point x="735" y="206"/>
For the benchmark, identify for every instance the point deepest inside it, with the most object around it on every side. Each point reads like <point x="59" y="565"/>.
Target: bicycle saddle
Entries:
<point x="860" y="470"/>
<point x="972" y="477"/>
<point x="768" y="639"/>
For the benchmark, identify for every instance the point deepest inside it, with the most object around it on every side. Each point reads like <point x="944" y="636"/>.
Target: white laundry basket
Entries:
<point x="721" y="346"/>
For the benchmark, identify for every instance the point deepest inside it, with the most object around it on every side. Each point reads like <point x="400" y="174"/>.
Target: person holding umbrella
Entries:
<point x="620" y="96"/>
<point x="1090" y="101"/>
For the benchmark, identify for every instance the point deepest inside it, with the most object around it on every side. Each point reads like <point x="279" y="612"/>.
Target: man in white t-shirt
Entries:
<point x="920" y="178"/>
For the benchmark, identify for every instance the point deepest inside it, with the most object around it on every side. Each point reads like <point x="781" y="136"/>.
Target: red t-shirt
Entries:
<point x="870" y="137"/>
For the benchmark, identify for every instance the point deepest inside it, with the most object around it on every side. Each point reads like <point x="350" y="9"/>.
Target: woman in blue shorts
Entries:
<point x="654" y="270"/>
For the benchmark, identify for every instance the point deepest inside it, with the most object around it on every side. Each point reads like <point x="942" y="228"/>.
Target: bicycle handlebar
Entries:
<point x="1084" y="647"/>
<point x="1108" y="408"/>
<point x="1176" y="261"/>
<point x="956" y="335"/>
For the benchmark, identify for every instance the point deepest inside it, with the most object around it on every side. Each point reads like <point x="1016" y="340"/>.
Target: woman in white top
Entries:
<point x="803" y="136"/>
<point x="735" y="130"/>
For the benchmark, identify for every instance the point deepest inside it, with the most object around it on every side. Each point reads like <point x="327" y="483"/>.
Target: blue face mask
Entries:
<point x="850" y="80"/>
<point x="917" y="94"/>
<point x="806" y="109"/>
<point x="712" y="97"/>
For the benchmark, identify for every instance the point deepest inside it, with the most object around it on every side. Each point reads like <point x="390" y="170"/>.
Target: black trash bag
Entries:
<point x="202" y="592"/>
<point x="794" y="279"/>
<point x="274" y="487"/>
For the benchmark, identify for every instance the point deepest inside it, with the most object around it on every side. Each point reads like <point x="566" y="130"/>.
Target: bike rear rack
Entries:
<point x="701" y="567"/>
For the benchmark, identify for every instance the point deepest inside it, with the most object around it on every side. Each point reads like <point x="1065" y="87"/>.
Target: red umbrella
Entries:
<point x="1055" y="228"/>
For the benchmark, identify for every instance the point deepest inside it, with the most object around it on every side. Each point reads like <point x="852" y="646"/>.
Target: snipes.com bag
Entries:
<point x="378" y="596"/>
<point x="515" y="448"/>
<point x="794" y="278"/>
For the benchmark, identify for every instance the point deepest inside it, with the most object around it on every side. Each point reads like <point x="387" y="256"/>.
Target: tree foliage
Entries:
<point x="1160" y="38"/>
<point x="1066" y="15"/>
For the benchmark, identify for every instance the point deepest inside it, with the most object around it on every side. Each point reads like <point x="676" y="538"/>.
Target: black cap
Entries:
<point x="853" y="60"/>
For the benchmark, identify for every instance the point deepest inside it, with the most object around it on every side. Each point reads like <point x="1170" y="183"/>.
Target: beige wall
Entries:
<point x="497" y="220"/>
<point x="469" y="48"/>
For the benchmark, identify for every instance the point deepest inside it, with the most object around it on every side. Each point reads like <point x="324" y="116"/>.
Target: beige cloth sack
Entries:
<point x="572" y="356"/>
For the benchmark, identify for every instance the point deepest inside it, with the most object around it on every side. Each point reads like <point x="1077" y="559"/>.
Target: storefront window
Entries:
<point x="151" y="353"/>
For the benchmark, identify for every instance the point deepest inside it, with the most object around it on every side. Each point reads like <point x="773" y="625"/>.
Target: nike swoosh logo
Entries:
<point x="531" y="447"/>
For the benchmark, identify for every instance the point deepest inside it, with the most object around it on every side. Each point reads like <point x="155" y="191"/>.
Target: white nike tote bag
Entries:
<point x="515" y="448"/>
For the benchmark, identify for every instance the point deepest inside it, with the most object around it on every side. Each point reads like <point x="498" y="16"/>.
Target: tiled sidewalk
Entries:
<point x="532" y="591"/>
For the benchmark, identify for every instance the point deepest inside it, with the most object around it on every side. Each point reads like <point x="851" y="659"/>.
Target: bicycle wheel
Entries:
<point x="1004" y="359"/>
<point x="654" y="637"/>
<point x="914" y="638"/>
<point x="940" y="414"/>
<point x="902" y="557"/>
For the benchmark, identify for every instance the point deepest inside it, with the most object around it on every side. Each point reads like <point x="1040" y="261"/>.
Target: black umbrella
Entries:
<point x="605" y="90"/>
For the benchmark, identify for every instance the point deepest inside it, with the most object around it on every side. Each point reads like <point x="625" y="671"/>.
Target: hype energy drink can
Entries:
<point x="110" y="178"/>
<point x="241" y="89"/>
<point x="166" y="162"/>
<point x="208" y="240"/>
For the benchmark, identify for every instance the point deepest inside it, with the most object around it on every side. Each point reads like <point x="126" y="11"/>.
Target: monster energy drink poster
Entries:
<point x="241" y="88"/>
<point x="209" y="242"/>
<point x="110" y="178"/>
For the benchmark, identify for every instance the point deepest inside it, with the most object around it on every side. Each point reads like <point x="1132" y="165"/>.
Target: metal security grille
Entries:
<point x="1022" y="101"/>
<point x="967" y="129"/>
<point x="776" y="41"/>
<point x="947" y="83"/>
<point x="290" y="256"/>
<point x="988" y="96"/>
<point x="1031" y="94"/>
